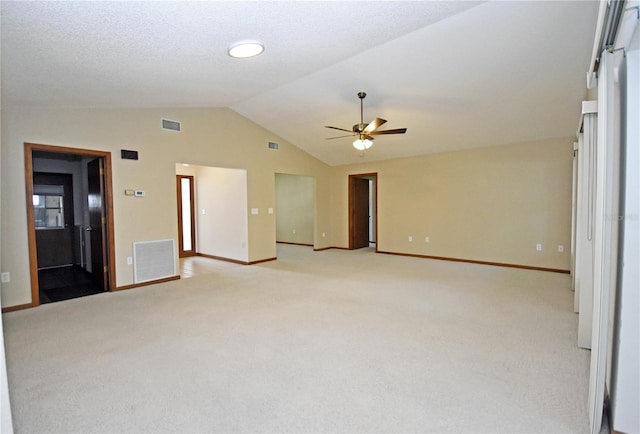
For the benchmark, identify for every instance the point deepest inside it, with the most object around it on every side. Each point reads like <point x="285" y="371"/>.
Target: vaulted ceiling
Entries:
<point x="456" y="74"/>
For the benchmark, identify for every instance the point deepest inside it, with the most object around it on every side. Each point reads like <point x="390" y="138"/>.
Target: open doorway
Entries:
<point x="212" y="213"/>
<point x="363" y="211"/>
<point x="295" y="209"/>
<point x="69" y="222"/>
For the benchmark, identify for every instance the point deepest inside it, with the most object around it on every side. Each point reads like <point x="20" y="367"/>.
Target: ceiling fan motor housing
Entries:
<point x="358" y="128"/>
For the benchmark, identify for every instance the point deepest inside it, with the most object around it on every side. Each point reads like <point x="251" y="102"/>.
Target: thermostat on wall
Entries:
<point x="139" y="193"/>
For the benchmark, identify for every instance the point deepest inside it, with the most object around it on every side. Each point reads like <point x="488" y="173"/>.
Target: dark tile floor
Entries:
<point x="64" y="283"/>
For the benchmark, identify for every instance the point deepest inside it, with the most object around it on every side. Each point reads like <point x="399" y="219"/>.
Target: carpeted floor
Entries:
<point x="331" y="341"/>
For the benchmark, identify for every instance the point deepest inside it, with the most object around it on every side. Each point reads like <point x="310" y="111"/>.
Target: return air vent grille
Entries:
<point x="153" y="260"/>
<point x="170" y="125"/>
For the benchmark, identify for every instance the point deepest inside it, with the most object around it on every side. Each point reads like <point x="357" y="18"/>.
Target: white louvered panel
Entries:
<point x="153" y="260"/>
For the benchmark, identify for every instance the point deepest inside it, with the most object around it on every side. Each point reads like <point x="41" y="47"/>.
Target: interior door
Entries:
<point x="96" y="228"/>
<point x="186" y="216"/>
<point x="358" y="212"/>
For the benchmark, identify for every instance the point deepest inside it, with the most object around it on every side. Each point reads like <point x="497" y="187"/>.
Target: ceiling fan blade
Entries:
<point x="338" y="137"/>
<point x="396" y="131"/>
<point x="373" y="125"/>
<point x="336" y="128"/>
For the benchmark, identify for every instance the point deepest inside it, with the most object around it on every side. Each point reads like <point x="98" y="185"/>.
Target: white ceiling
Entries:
<point x="456" y="74"/>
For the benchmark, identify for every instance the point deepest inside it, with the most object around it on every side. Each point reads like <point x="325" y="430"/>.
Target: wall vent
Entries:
<point x="153" y="260"/>
<point x="170" y="125"/>
<point x="273" y="145"/>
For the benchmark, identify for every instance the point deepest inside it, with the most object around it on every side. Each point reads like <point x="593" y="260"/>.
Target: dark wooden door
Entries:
<point x="358" y="213"/>
<point x="96" y="228"/>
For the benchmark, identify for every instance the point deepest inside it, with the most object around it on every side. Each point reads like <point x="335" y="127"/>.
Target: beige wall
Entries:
<point x="295" y="201"/>
<point x="221" y="213"/>
<point x="491" y="204"/>
<point x="209" y="137"/>
<point x="6" y="424"/>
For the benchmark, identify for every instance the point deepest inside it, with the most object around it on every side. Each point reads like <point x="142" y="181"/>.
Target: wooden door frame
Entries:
<point x="351" y="204"/>
<point x="31" y="229"/>
<point x="183" y="253"/>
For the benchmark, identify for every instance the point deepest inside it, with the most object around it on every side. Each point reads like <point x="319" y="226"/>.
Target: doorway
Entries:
<point x="69" y="222"/>
<point x="218" y="212"/>
<point x="363" y="211"/>
<point x="295" y="209"/>
<point x="186" y="216"/>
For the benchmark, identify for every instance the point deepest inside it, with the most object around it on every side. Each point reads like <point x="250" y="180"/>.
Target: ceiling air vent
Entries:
<point x="273" y="145"/>
<point x="170" y="125"/>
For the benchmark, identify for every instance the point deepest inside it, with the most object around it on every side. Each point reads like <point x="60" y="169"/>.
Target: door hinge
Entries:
<point x="105" y="268"/>
<point x="101" y="171"/>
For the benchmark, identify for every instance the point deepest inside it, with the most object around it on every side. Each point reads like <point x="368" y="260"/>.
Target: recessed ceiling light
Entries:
<point x="246" y="49"/>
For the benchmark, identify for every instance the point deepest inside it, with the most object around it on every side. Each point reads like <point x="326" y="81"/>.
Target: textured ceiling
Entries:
<point x="456" y="74"/>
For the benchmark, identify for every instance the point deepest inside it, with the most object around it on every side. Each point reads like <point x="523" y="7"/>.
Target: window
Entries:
<point x="49" y="210"/>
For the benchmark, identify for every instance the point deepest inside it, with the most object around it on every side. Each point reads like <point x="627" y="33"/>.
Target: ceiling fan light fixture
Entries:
<point x="361" y="145"/>
<point x="244" y="50"/>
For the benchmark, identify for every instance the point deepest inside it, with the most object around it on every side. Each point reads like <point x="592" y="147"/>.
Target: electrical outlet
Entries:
<point x="324" y="235"/>
<point x="426" y="239"/>
<point x="539" y="247"/>
<point x="129" y="260"/>
<point x="294" y="231"/>
<point x="5" y="277"/>
<point x="410" y="238"/>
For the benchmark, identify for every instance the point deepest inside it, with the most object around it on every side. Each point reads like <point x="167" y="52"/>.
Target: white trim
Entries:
<point x="595" y="53"/>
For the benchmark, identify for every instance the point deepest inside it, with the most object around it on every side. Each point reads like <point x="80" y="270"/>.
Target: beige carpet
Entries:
<point x="332" y="341"/>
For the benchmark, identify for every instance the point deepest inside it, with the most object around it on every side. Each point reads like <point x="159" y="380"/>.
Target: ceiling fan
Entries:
<point x="365" y="132"/>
